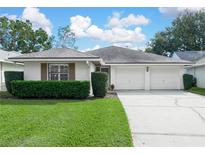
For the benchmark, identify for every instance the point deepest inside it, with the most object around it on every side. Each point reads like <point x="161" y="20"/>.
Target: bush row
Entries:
<point x="51" y="89"/>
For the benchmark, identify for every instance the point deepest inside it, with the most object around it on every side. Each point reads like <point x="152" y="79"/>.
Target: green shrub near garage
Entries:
<point x="10" y="76"/>
<point x="188" y="81"/>
<point x="51" y="89"/>
<point x="99" y="83"/>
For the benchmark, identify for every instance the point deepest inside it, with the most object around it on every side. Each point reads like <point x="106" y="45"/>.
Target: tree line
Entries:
<point x="18" y="35"/>
<point x="186" y="33"/>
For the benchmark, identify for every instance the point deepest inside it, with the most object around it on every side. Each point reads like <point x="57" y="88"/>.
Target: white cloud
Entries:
<point x="130" y="20"/>
<point x="83" y="27"/>
<point x="174" y="11"/>
<point x="38" y="19"/>
<point x="79" y="24"/>
<point x="93" y="48"/>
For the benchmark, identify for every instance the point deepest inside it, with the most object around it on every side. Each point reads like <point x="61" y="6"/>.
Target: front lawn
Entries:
<point x="197" y="90"/>
<point x="92" y="122"/>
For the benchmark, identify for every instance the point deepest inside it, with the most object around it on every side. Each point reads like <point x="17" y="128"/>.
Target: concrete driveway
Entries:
<point x="165" y="118"/>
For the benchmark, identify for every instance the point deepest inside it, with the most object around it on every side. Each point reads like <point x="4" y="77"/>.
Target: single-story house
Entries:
<point x="198" y="67"/>
<point x="127" y="68"/>
<point x="6" y="65"/>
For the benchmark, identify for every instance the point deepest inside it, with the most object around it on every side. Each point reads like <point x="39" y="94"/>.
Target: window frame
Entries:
<point x="49" y="72"/>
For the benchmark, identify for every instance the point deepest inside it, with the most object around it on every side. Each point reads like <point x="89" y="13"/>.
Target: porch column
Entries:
<point x="91" y="69"/>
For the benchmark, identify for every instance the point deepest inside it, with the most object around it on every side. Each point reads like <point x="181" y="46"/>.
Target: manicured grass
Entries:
<point x="93" y="122"/>
<point x="197" y="90"/>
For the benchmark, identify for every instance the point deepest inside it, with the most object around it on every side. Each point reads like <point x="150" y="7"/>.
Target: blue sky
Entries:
<point x="99" y="27"/>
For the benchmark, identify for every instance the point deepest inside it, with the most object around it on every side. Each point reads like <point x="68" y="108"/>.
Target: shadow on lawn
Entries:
<point x="18" y="101"/>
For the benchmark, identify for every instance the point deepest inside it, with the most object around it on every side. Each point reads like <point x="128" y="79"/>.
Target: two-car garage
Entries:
<point x="146" y="77"/>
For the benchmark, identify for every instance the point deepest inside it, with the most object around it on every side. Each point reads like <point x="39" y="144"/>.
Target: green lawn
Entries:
<point x="92" y="122"/>
<point x="197" y="90"/>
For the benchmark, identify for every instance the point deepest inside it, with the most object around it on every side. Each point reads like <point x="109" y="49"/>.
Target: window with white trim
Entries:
<point x="58" y="72"/>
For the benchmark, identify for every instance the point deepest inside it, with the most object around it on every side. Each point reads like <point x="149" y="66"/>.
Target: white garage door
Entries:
<point x="130" y="78"/>
<point x="164" y="78"/>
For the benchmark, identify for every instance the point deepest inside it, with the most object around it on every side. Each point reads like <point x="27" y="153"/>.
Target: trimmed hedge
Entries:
<point x="10" y="76"/>
<point x="51" y="89"/>
<point x="99" y="83"/>
<point x="188" y="81"/>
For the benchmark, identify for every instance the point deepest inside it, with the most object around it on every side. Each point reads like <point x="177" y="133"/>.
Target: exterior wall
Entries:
<point x="190" y="71"/>
<point x="82" y="71"/>
<point x="8" y="67"/>
<point x="199" y="73"/>
<point x="200" y="76"/>
<point x="32" y="70"/>
<point x="178" y="70"/>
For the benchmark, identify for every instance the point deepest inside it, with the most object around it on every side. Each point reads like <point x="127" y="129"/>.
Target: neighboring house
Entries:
<point x="127" y="69"/>
<point x="198" y="67"/>
<point x="6" y="65"/>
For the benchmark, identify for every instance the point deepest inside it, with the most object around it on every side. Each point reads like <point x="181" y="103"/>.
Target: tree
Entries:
<point x="186" y="33"/>
<point x="18" y="35"/>
<point x="66" y="38"/>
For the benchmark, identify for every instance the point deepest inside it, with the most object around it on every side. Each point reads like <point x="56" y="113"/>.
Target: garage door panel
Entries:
<point x="164" y="78"/>
<point x="130" y="78"/>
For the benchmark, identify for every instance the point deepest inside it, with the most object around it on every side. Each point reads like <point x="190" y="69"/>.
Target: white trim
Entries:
<point x="145" y="64"/>
<point x="11" y="62"/>
<point x="197" y="65"/>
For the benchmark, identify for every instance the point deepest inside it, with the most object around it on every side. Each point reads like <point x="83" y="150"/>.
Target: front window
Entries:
<point x="58" y="71"/>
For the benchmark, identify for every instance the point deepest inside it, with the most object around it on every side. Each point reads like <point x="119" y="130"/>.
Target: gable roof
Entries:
<point x="120" y="55"/>
<point x="190" y="55"/>
<point x="57" y="53"/>
<point x="4" y="55"/>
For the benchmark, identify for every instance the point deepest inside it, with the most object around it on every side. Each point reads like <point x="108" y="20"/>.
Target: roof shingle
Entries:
<point x="57" y="53"/>
<point x="190" y="55"/>
<point x="120" y="55"/>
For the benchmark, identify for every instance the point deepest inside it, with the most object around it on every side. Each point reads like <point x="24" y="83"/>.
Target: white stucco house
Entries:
<point x="126" y="68"/>
<point x="197" y="69"/>
<point x="6" y="65"/>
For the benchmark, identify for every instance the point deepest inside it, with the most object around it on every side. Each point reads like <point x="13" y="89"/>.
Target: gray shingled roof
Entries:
<point x="4" y="55"/>
<point x="119" y="55"/>
<point x="190" y="55"/>
<point x="57" y="53"/>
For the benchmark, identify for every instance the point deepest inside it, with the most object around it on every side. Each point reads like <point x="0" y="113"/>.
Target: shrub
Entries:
<point x="99" y="83"/>
<point x="112" y="87"/>
<point x="188" y="81"/>
<point x="51" y="89"/>
<point x="194" y="82"/>
<point x="10" y="76"/>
